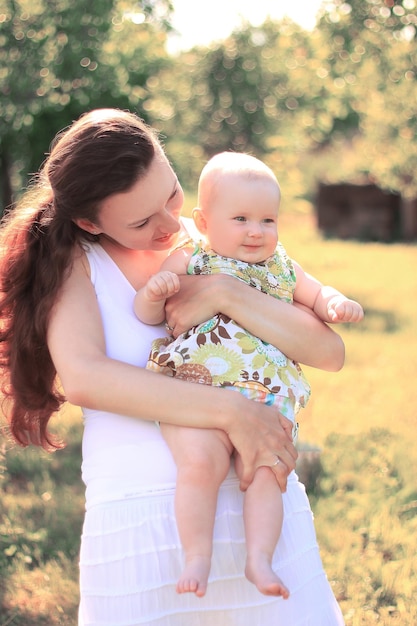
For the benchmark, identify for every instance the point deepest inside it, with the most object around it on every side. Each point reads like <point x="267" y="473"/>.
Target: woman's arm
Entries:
<point x="92" y="379"/>
<point x="298" y="333"/>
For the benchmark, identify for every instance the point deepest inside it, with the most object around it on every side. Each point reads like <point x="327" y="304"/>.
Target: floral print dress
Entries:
<point x="222" y="353"/>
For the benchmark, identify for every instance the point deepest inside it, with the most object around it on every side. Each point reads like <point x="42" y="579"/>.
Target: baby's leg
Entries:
<point x="263" y="515"/>
<point x="202" y="457"/>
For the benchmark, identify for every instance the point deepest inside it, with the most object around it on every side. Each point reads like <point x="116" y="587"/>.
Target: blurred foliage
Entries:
<point x="372" y="70"/>
<point x="40" y="526"/>
<point x="240" y="94"/>
<point x="334" y="104"/>
<point x="59" y="58"/>
<point x="370" y="550"/>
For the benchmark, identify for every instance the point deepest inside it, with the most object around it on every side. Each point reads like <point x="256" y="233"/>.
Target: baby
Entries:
<point x="237" y="215"/>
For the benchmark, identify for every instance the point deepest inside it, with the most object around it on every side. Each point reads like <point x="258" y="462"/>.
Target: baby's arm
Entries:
<point x="327" y="303"/>
<point x="149" y="303"/>
<point x="342" y="309"/>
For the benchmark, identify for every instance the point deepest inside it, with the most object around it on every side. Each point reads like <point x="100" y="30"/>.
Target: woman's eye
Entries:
<point x="174" y="194"/>
<point x="139" y="226"/>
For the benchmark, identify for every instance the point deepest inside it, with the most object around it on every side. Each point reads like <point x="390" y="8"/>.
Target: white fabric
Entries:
<point x="130" y="551"/>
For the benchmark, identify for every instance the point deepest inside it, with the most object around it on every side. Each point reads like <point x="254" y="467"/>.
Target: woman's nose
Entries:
<point x="170" y="223"/>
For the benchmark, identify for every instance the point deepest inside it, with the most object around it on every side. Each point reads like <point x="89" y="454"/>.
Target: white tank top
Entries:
<point x="122" y="456"/>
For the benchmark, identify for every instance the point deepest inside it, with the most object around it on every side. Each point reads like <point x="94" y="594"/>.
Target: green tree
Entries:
<point x="241" y="94"/>
<point x="371" y="72"/>
<point x="59" y="58"/>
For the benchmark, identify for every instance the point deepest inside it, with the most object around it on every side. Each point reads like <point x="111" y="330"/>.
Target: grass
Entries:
<point x="40" y="527"/>
<point x="362" y="419"/>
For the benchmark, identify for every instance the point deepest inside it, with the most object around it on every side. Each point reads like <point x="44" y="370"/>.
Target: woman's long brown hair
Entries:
<point x="103" y="153"/>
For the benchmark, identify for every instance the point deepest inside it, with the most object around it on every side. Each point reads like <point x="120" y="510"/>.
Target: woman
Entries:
<point x="101" y="219"/>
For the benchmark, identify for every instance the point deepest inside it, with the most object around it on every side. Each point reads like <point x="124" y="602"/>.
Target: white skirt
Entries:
<point x="131" y="558"/>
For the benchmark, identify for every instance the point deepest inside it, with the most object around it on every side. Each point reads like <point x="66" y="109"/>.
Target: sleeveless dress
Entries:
<point x="130" y="550"/>
<point x="219" y="352"/>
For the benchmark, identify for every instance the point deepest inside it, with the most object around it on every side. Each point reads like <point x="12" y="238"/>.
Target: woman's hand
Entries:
<point x="262" y="436"/>
<point x="194" y="303"/>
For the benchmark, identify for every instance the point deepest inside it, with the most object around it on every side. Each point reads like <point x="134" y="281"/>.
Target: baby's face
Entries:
<point x="242" y="219"/>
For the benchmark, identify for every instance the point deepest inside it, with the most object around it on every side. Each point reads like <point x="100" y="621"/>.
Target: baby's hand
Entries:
<point x="162" y="285"/>
<point x="341" y="309"/>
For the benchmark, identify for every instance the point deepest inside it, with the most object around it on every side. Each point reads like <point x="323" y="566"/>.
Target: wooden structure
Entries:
<point x="365" y="212"/>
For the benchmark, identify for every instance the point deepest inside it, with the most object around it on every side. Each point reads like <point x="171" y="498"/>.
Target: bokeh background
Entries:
<point x="333" y="110"/>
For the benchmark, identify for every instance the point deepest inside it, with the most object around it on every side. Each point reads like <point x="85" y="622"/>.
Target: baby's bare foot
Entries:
<point x="195" y="575"/>
<point x="260" y="573"/>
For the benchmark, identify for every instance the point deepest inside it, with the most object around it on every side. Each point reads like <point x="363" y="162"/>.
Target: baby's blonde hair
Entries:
<point x="234" y="164"/>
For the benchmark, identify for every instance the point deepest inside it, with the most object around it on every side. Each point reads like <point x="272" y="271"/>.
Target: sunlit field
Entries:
<point x="364" y="421"/>
<point x="361" y="421"/>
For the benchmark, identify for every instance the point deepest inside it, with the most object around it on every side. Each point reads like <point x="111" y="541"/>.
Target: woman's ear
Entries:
<point x="199" y="220"/>
<point x="87" y="225"/>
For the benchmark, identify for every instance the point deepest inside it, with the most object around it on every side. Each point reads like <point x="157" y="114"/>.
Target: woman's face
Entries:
<point x="147" y="216"/>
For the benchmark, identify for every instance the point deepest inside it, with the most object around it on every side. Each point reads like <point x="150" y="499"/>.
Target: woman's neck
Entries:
<point x="137" y="265"/>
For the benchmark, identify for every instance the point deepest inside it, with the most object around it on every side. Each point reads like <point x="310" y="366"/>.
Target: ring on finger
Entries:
<point x="277" y="462"/>
<point x="168" y="327"/>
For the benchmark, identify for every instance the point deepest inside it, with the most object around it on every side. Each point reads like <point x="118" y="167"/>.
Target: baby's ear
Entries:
<point x="199" y="220"/>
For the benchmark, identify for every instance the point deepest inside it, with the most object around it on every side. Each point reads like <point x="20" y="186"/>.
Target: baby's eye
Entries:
<point x="269" y="220"/>
<point x="240" y="218"/>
